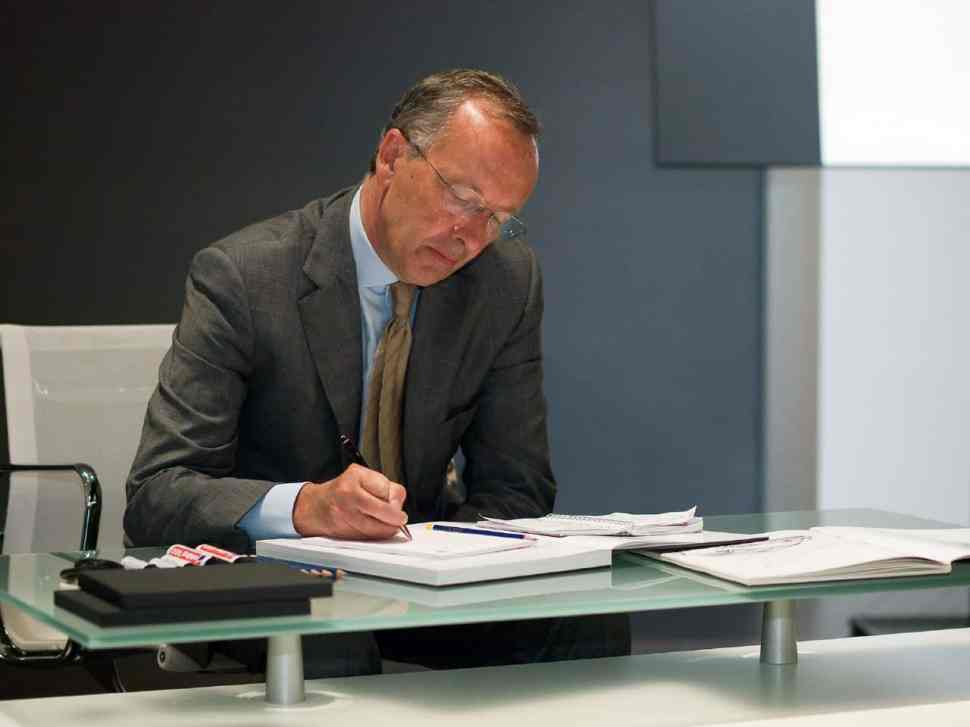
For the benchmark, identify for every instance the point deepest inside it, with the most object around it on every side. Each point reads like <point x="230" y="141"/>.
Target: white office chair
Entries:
<point x="74" y="394"/>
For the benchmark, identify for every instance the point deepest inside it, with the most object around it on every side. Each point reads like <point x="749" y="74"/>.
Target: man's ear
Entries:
<point x="390" y="151"/>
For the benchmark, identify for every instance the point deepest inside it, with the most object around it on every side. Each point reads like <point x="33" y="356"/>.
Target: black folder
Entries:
<point x="192" y="593"/>
<point x="203" y="585"/>
<point x="100" y="612"/>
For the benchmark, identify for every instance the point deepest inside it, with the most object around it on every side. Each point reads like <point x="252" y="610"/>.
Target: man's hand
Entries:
<point x="360" y="504"/>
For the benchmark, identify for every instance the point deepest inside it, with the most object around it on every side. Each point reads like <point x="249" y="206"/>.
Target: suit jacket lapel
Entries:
<point x="331" y="314"/>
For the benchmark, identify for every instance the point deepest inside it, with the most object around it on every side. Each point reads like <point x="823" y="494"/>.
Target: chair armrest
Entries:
<point x="92" y="495"/>
<point x="10" y="653"/>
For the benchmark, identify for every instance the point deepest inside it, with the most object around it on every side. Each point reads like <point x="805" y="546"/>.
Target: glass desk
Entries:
<point x="361" y="603"/>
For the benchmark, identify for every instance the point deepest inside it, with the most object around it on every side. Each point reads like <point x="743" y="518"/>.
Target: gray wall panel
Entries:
<point x="736" y="82"/>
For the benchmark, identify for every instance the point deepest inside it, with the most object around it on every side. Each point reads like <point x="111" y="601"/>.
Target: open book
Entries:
<point x="413" y="562"/>
<point x="617" y="523"/>
<point x="828" y="554"/>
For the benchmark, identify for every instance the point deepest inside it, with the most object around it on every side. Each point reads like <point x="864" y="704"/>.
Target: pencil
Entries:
<point x="479" y="531"/>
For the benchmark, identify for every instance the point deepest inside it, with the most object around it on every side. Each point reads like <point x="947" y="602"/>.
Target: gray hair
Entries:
<point x="426" y="107"/>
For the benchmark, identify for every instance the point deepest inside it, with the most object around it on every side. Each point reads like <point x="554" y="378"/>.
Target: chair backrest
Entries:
<point x="75" y="394"/>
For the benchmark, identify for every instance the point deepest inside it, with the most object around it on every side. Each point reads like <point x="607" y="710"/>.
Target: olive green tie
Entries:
<point x="382" y="424"/>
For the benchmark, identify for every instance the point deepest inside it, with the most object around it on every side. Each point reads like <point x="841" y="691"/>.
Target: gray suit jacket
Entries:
<point x="265" y="368"/>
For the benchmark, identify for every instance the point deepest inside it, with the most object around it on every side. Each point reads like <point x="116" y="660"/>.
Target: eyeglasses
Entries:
<point x="465" y="204"/>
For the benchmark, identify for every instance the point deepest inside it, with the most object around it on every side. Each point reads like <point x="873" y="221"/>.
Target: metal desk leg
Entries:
<point x="284" y="670"/>
<point x="778" y="645"/>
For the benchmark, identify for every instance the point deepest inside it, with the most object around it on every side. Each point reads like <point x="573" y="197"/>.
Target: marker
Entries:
<point x="477" y="531"/>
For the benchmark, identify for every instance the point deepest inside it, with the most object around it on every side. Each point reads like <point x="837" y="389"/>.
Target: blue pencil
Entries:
<point x="477" y="531"/>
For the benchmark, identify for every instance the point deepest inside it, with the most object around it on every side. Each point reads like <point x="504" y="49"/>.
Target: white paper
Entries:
<point x="427" y="543"/>
<point x="616" y="523"/>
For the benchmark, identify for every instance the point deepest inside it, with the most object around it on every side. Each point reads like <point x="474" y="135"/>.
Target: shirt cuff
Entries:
<point x="272" y="515"/>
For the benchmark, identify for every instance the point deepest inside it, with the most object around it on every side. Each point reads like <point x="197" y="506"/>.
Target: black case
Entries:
<point x="100" y="612"/>
<point x="203" y="585"/>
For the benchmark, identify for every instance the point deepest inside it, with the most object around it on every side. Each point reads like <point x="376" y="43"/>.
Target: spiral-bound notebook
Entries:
<point x="617" y="523"/>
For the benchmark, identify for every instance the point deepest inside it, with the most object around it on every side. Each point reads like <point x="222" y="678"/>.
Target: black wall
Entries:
<point x="140" y="132"/>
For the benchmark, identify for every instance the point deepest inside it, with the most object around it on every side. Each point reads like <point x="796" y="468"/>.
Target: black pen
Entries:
<point x="351" y="449"/>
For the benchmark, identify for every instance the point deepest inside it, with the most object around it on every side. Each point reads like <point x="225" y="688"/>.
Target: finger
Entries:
<point x="361" y="527"/>
<point x="377" y="509"/>
<point x="375" y="483"/>
<point x="382" y="488"/>
<point x="368" y="528"/>
<point x="368" y="492"/>
<point x="396" y="495"/>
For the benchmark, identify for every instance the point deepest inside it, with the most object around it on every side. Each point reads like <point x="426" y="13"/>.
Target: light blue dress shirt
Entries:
<point x="272" y="516"/>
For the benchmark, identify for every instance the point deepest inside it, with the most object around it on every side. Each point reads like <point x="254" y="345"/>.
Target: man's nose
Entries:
<point x="473" y="232"/>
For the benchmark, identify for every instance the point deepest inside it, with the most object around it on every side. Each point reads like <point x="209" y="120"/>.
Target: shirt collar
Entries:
<point x="371" y="270"/>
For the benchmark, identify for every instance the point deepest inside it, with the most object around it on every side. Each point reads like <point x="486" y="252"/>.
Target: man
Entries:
<point x="405" y="313"/>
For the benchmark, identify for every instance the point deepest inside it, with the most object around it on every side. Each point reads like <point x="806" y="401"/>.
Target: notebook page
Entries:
<point x="433" y="544"/>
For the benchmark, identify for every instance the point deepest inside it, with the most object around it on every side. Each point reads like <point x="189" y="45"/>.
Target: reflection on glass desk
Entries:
<point x="365" y="603"/>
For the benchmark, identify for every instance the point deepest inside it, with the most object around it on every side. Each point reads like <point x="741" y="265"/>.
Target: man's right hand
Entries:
<point x="360" y="504"/>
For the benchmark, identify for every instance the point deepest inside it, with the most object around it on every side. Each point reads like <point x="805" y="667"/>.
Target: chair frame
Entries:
<point x="10" y="653"/>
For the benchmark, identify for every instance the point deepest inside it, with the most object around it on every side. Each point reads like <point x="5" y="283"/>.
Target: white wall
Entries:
<point x="894" y="342"/>
<point x="893" y="78"/>
<point x="878" y="361"/>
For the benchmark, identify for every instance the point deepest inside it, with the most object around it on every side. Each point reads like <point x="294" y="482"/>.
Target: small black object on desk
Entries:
<point x="191" y="593"/>
<point x="70" y="575"/>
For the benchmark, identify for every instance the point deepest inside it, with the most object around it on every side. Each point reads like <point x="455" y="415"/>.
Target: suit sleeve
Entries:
<point x="180" y="489"/>
<point x="507" y="470"/>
